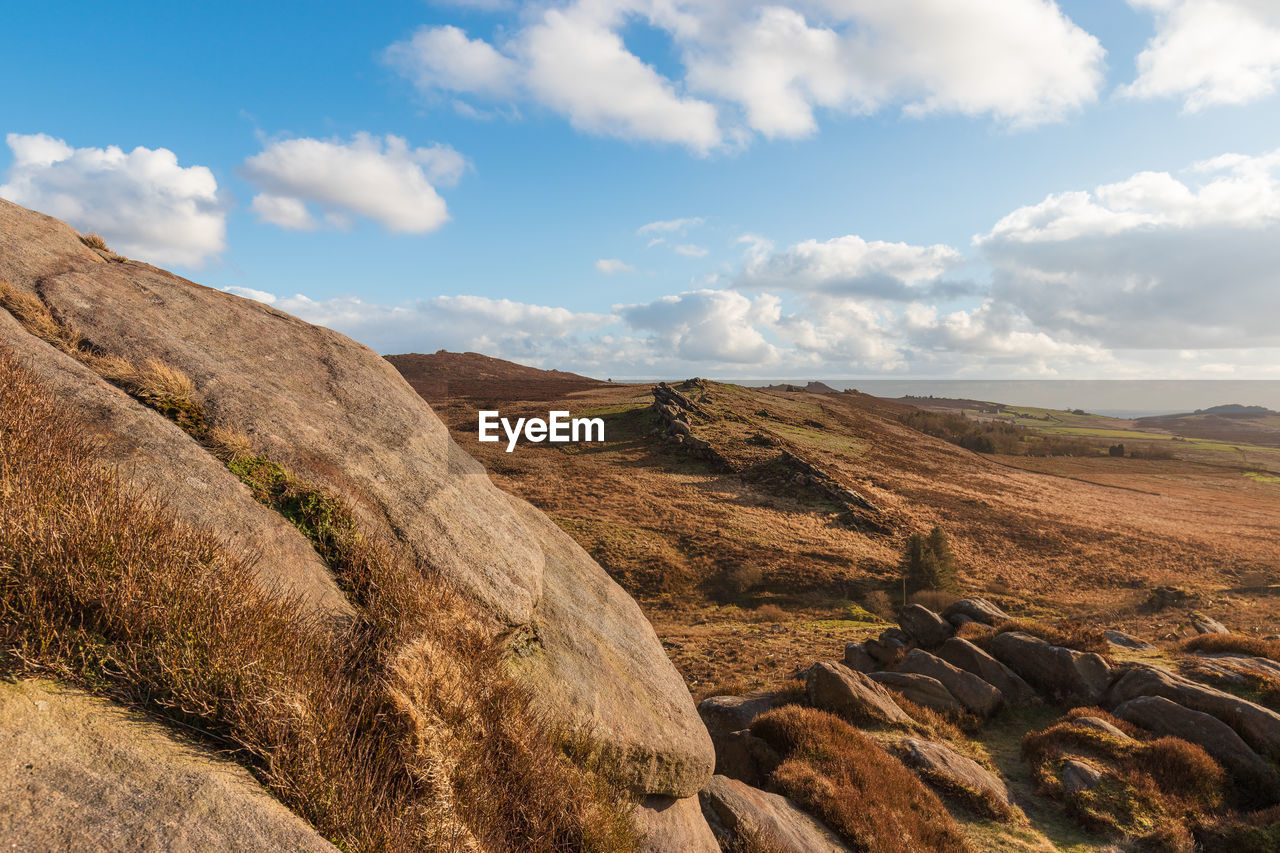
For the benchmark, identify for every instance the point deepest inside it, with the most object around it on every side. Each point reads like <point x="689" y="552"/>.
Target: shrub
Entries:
<point x="927" y="562"/>
<point x="768" y="613"/>
<point x="849" y="782"/>
<point x="877" y="601"/>
<point x="395" y="731"/>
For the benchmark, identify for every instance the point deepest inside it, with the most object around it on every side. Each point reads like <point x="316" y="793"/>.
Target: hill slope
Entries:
<point x="468" y="374"/>
<point x="689" y="533"/>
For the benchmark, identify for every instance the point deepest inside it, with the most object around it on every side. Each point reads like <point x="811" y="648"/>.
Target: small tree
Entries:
<point x="928" y="563"/>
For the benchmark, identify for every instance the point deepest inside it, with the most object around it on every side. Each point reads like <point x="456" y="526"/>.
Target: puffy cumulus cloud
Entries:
<point x="843" y="333"/>
<point x="1209" y="52"/>
<point x="613" y="266"/>
<point x="1021" y="61"/>
<point x="445" y="58"/>
<point x="1153" y="261"/>
<point x="767" y="69"/>
<point x="380" y="178"/>
<point x="714" y="327"/>
<point x="993" y="335"/>
<point x="497" y="327"/>
<point x="851" y="265"/>
<point x="142" y="202"/>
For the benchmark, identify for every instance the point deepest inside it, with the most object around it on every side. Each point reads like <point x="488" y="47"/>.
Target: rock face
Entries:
<point x="739" y="814"/>
<point x="667" y="825"/>
<point x="725" y="714"/>
<point x="920" y="689"/>
<point x="957" y="775"/>
<point x="977" y="610"/>
<point x="836" y="688"/>
<point x="77" y="773"/>
<point x="1079" y="775"/>
<point x="1164" y="717"/>
<point x="1258" y="726"/>
<point x="971" y="691"/>
<point x="1206" y="624"/>
<point x="924" y="626"/>
<point x="340" y="415"/>
<point x="858" y="658"/>
<point x="965" y="655"/>
<point x="745" y="757"/>
<point x="1081" y="677"/>
<point x="161" y="458"/>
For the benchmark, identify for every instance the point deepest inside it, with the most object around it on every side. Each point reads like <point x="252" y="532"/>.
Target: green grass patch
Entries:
<point x="1262" y="478"/>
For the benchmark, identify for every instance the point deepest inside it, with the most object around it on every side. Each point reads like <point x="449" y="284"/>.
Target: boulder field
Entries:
<point x="345" y="419"/>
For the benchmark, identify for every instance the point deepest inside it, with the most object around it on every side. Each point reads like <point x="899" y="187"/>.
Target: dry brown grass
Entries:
<point x="1233" y="644"/>
<point x="1070" y="634"/>
<point x="1154" y="791"/>
<point x="848" y="781"/>
<point x="668" y="528"/>
<point x="395" y="732"/>
<point x="94" y="241"/>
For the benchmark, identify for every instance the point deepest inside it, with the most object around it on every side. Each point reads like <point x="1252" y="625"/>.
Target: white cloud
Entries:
<point x="613" y="266"/>
<point x="767" y="69"/>
<point x="1210" y="52"/>
<point x="670" y="226"/>
<point x="690" y="250"/>
<point x="382" y="179"/>
<point x="444" y="58"/>
<point x="848" y="265"/>
<point x="711" y="326"/>
<point x="498" y="327"/>
<point x="142" y="202"/>
<point x="1152" y="261"/>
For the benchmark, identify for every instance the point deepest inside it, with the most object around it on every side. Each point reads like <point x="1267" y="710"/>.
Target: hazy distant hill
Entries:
<point x="475" y="376"/>
<point x="1230" y="423"/>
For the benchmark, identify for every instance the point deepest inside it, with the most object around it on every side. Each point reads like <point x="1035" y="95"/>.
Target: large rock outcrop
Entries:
<point x="971" y="691"/>
<point x="746" y="818"/>
<point x="1067" y="674"/>
<point x="78" y="773"/>
<point x="834" y="687"/>
<point x="1259" y="726"/>
<point x="963" y="654"/>
<point x="340" y="415"/>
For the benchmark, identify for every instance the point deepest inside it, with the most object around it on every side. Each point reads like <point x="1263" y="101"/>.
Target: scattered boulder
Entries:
<point x="1078" y="775"/>
<point x="976" y="610"/>
<point x="852" y="695"/>
<point x="971" y="691"/>
<point x="1100" y="725"/>
<point x="858" y="658"/>
<point x="886" y="650"/>
<point x="669" y="825"/>
<point x="965" y="655"/>
<point x="891" y="635"/>
<point x="924" y="626"/>
<point x="1206" y="624"/>
<point x="920" y="689"/>
<point x="1259" y="726"/>
<point x="725" y="714"/>
<point x="1164" y="717"/>
<point x="1230" y="669"/>
<point x="678" y="427"/>
<point x="957" y="776"/>
<point x="1066" y="674"/>
<point x="79" y="773"/>
<point x="745" y="757"/>
<point x="739" y="815"/>
<point x="1127" y="641"/>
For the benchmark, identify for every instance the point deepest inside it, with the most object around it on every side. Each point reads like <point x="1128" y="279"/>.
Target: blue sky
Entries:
<point x="918" y="188"/>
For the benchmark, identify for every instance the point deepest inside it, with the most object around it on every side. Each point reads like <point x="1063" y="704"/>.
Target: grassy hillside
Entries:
<point x="743" y="571"/>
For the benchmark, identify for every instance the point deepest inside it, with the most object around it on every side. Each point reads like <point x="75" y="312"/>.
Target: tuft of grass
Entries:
<point x="849" y="782"/>
<point x="1154" y="791"/>
<point x="1233" y="644"/>
<point x="1070" y="634"/>
<point x="396" y="731"/>
<point x="94" y="241"/>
